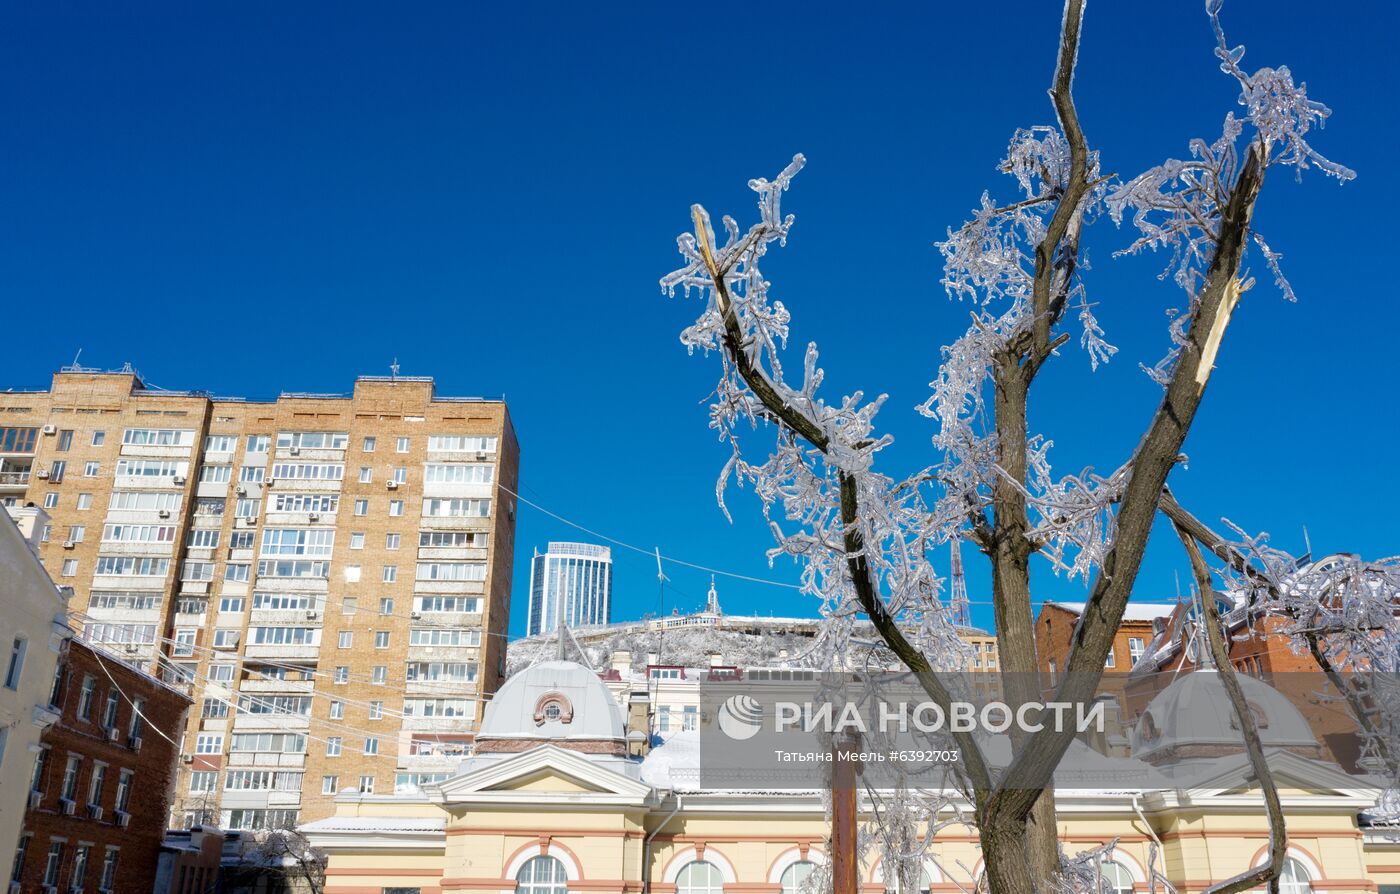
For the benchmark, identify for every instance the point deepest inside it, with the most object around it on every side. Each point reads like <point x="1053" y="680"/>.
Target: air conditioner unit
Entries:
<point x="294" y="451"/>
<point x="313" y="517"/>
<point x="50" y="429"/>
<point x="134" y="743"/>
<point x="132" y="648"/>
<point x="69" y="544"/>
<point x="123" y="819"/>
<point x="179" y="479"/>
<point x="95" y="811"/>
<point x="69" y="807"/>
<point x="113" y="734"/>
<point x="42" y="473"/>
<point x="164" y="513"/>
<point x="311" y="616"/>
<point x="481" y="454"/>
<point x="393" y="485"/>
<point x="187" y="758"/>
<point x="241" y="491"/>
<point x="415" y="615"/>
<point x="35" y="799"/>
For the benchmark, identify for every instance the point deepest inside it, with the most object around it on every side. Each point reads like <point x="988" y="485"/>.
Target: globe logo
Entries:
<point x="740" y="717"/>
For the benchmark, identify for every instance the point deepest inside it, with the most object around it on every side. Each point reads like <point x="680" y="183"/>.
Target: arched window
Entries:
<point x="925" y="882"/>
<point x="541" y="875"/>
<point x="699" y="877"/>
<point x="1295" y="878"/>
<point x="795" y="875"/>
<point x="1116" y="877"/>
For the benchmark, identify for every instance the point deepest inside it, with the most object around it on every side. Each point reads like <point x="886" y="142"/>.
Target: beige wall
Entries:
<point x="32" y="605"/>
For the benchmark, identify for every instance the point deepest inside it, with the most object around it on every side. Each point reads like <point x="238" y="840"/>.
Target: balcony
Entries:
<point x="137" y="548"/>
<point x="14" y="478"/>
<point x="271" y="723"/>
<point x="455" y="523"/>
<point x="281" y="650"/>
<point x="306" y="485"/>
<point x="156" y="451"/>
<point x="300" y="519"/>
<point x="439" y="724"/>
<point x="259" y="685"/>
<point x="454" y="587"/>
<point x="459" y="553"/>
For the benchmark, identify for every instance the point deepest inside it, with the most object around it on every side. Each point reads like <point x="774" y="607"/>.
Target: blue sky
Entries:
<point x="267" y="197"/>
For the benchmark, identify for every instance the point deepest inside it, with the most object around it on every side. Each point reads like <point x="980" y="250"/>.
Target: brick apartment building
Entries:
<point x="102" y="781"/>
<point x="329" y="575"/>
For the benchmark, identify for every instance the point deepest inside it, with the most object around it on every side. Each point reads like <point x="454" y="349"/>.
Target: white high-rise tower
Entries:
<point x="576" y="577"/>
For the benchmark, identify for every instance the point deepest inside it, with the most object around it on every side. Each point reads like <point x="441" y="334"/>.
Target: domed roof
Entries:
<point x="552" y="701"/>
<point x="1193" y="717"/>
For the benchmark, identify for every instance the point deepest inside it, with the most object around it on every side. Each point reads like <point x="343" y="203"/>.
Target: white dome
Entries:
<point x="553" y="700"/>
<point x="1193" y="717"/>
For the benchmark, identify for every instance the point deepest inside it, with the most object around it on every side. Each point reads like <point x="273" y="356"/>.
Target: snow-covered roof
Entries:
<point x="593" y="712"/>
<point x="1136" y="611"/>
<point x="376" y="824"/>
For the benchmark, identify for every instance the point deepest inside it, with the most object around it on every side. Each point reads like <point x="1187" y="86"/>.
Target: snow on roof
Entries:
<point x="376" y="824"/>
<point x="1136" y="611"/>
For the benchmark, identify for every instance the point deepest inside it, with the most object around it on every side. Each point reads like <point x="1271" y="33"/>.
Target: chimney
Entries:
<point x="653" y="658"/>
<point x="621" y="661"/>
<point x="716" y="659"/>
<point x="638" y="724"/>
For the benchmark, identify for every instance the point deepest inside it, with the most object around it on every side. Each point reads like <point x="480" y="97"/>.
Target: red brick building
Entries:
<point x="102" y="781"/>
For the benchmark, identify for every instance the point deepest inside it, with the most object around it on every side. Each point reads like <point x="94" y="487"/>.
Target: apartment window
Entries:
<point x="333" y="746"/>
<point x="342" y="674"/>
<point x="259" y="443"/>
<point x="184" y="643"/>
<point x="1135" y="648"/>
<point x="458" y="473"/>
<point x="221" y="673"/>
<point x="109" y="710"/>
<point x="401" y="445"/>
<point x="90" y="469"/>
<point x="109" y="869"/>
<point x="55" y="859"/>
<point x="18" y="871"/>
<point x="367" y="445"/>
<point x="379" y="675"/>
<point x="245" y="509"/>
<point x="98" y="780"/>
<point x="1112" y="661"/>
<point x="99" y="438"/>
<point x="220" y="443"/>
<point x="46" y="533"/>
<point x="197" y="571"/>
<point x="362" y="507"/>
<point x="204" y="538"/>
<point x="346" y="639"/>
<point x="84" y="501"/>
<point x="85" y="697"/>
<point x="366" y="785"/>
<point x="352" y="574"/>
<point x="16" y="667"/>
<point x="252" y="474"/>
<point x="215" y="474"/>
<point x="391" y="541"/>
<point x="357" y="541"/>
<point x="240" y="540"/>
<point x="204" y="781"/>
<point x="1052" y="672"/>
<point x="69" y="790"/>
<point x="56" y="470"/>
<point x="80" y="862"/>
<point x="124" y="789"/>
<point x="349" y="605"/>
<point x="337" y="710"/>
<point x="391" y="573"/>
<point x="226" y="638"/>
<point x="381" y="639"/>
<point x="214" y="708"/>
<point x="209" y="743"/>
<point x="328" y="784"/>
<point x="395" y="508"/>
<point x="138" y="710"/>
<point x="237" y="571"/>
<point x="366" y="474"/>
<point x="41" y="765"/>
<point x="76" y="533"/>
<point x="376" y="710"/>
<point x="65" y="440"/>
<point x="401" y="474"/>
<point x="663" y="719"/>
<point x="230" y="605"/>
<point x="690" y="717"/>
<point x="386" y="606"/>
<point x="51" y="500"/>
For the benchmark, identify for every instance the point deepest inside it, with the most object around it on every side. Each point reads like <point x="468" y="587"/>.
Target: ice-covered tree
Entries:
<point x="863" y="536"/>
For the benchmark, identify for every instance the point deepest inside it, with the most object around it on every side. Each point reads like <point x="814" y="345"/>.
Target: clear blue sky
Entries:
<point x="257" y="197"/>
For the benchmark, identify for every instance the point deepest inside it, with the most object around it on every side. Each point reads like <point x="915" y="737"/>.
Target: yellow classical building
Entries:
<point x="556" y="800"/>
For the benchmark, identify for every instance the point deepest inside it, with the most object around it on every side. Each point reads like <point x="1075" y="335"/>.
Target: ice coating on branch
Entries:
<point x="1349" y="607"/>
<point x="1177" y="206"/>
<point x="797" y="484"/>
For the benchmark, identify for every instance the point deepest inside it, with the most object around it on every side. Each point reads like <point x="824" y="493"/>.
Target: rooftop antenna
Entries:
<point x="962" y="614"/>
<point x="1176" y="576"/>
<point x="76" y="356"/>
<point x="712" y="599"/>
<point x="559" y="625"/>
<point x="394" y="369"/>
